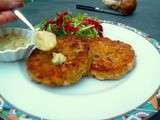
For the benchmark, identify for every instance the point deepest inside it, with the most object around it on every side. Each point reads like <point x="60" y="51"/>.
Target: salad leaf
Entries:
<point x="66" y="24"/>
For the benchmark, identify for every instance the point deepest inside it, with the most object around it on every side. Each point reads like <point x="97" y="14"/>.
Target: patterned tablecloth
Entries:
<point x="143" y="112"/>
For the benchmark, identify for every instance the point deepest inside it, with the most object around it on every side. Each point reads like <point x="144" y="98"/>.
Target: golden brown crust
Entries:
<point x="100" y="57"/>
<point x="78" y="62"/>
<point x="111" y="59"/>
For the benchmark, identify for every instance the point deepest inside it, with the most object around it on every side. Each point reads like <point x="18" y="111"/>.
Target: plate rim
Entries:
<point x="144" y="35"/>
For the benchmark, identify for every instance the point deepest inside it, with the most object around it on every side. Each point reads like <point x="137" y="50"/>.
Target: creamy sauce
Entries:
<point x="12" y="41"/>
<point x="58" y="58"/>
<point x="45" y="41"/>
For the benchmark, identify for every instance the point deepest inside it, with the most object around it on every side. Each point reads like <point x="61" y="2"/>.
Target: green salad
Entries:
<point x="67" y="24"/>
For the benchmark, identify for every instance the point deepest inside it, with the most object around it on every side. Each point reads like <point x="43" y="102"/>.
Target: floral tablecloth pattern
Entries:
<point x="142" y="112"/>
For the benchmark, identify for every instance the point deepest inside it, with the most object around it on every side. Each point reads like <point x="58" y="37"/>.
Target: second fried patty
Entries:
<point x="110" y="59"/>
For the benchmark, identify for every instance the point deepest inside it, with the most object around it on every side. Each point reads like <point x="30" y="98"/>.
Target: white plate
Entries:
<point x="90" y="99"/>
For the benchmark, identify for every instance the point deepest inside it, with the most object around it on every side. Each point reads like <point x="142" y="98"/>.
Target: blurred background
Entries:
<point x="145" y="18"/>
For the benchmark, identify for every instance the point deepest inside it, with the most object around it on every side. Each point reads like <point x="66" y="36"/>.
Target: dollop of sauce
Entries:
<point x="12" y="41"/>
<point x="58" y="58"/>
<point x="45" y="41"/>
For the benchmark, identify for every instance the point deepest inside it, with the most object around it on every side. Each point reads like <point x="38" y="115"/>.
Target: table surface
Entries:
<point x="146" y="18"/>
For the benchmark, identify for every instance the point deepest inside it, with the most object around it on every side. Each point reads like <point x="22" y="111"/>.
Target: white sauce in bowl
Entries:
<point x="12" y="41"/>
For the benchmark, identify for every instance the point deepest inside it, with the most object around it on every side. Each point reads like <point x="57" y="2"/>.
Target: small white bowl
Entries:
<point x="10" y="55"/>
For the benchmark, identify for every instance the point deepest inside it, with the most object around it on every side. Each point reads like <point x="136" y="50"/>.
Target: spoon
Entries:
<point x="44" y="41"/>
<point x="21" y="17"/>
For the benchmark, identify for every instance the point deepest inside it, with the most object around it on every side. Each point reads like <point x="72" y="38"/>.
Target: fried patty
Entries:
<point x="77" y="64"/>
<point x="110" y="59"/>
<point x="99" y="57"/>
